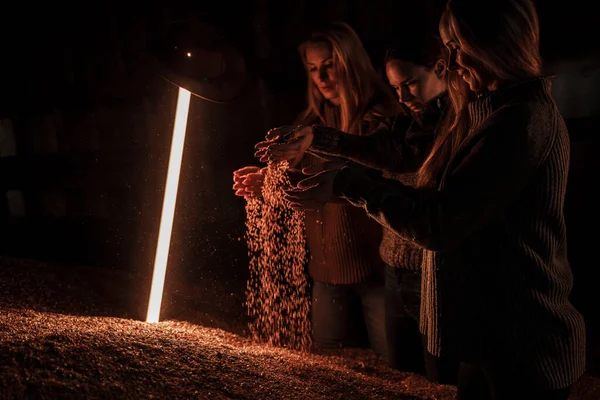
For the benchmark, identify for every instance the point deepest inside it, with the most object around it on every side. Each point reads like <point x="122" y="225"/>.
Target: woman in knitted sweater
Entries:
<point x="398" y="147"/>
<point x="344" y="92"/>
<point x="488" y="208"/>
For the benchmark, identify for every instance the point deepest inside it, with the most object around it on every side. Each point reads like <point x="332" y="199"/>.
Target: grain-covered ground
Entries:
<point x="70" y="333"/>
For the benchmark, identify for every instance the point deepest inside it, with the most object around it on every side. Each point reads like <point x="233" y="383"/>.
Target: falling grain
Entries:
<point x="277" y="291"/>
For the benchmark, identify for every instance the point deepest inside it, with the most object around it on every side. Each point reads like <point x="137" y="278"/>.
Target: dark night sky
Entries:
<point x="32" y="38"/>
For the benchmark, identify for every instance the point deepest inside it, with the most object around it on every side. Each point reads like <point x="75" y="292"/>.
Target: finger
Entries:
<point x="253" y="181"/>
<point x="255" y="175"/>
<point x="274" y="133"/>
<point x="239" y="178"/>
<point x="238" y="186"/>
<point x="245" y="170"/>
<point x="299" y="131"/>
<point x="260" y="153"/>
<point x="279" y="131"/>
<point x="264" y="144"/>
<point x="241" y="193"/>
<point x="315" y="169"/>
<point x="308" y="183"/>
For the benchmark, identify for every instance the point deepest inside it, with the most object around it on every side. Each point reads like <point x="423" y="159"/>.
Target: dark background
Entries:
<point x="93" y="122"/>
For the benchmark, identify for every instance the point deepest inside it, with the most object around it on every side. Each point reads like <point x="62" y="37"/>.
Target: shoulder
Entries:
<point x="532" y="128"/>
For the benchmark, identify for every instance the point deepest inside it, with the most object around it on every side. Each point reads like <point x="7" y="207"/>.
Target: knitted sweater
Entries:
<point x="343" y="242"/>
<point x="397" y="148"/>
<point x="496" y="278"/>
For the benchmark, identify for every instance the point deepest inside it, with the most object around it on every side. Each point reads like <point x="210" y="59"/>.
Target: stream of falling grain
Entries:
<point x="277" y="295"/>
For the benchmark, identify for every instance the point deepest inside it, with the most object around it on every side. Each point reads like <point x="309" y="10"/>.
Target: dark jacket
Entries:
<point x="496" y="278"/>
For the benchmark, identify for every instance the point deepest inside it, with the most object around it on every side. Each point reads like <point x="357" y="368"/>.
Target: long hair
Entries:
<point x="503" y="37"/>
<point x="361" y="88"/>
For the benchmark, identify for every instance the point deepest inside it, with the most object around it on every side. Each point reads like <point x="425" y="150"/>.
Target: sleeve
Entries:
<point x="489" y="178"/>
<point x="392" y="147"/>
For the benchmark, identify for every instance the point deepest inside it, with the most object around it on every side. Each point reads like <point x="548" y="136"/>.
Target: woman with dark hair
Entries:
<point x="416" y="71"/>
<point x="488" y="209"/>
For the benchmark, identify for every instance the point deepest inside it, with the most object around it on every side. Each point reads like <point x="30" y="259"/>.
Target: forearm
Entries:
<point x="481" y="186"/>
<point x="409" y="212"/>
<point x="384" y="150"/>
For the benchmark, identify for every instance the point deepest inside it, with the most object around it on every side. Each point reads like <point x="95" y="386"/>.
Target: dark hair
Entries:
<point x="425" y="52"/>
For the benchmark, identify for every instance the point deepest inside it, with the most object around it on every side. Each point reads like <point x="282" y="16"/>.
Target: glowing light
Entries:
<point x="189" y="54"/>
<point x="168" y="210"/>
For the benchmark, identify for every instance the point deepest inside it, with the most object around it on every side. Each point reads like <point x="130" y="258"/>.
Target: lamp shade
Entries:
<point x="195" y="56"/>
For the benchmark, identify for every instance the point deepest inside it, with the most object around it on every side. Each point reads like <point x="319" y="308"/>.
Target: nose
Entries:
<point x="323" y="75"/>
<point x="452" y="64"/>
<point x="404" y="94"/>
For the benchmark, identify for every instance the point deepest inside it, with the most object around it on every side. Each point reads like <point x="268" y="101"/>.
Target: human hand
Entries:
<point x="248" y="181"/>
<point x="286" y="143"/>
<point x="313" y="192"/>
<point x="295" y="144"/>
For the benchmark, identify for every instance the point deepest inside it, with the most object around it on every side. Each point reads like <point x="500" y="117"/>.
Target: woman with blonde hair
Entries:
<point x="489" y="210"/>
<point x="344" y="92"/>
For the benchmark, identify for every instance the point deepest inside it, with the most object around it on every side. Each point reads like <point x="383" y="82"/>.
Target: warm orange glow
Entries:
<point x="168" y="210"/>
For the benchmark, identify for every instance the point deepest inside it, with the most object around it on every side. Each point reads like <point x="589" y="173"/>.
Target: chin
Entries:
<point x="473" y="86"/>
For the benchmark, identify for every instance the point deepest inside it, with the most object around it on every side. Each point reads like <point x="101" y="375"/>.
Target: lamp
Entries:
<point x="194" y="57"/>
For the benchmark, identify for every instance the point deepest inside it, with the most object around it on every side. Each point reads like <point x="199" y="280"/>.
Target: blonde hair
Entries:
<point x="503" y="37"/>
<point x="361" y="88"/>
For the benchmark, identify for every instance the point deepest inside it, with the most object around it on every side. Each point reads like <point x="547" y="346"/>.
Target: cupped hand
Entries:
<point x="293" y="146"/>
<point x="248" y="181"/>
<point x="313" y="192"/>
<point x="286" y="143"/>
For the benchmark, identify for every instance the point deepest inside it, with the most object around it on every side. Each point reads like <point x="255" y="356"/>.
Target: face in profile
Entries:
<point x="415" y="84"/>
<point x="321" y="70"/>
<point x="469" y="69"/>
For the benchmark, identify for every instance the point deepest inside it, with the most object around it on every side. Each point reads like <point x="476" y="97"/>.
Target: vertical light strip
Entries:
<point x="168" y="210"/>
